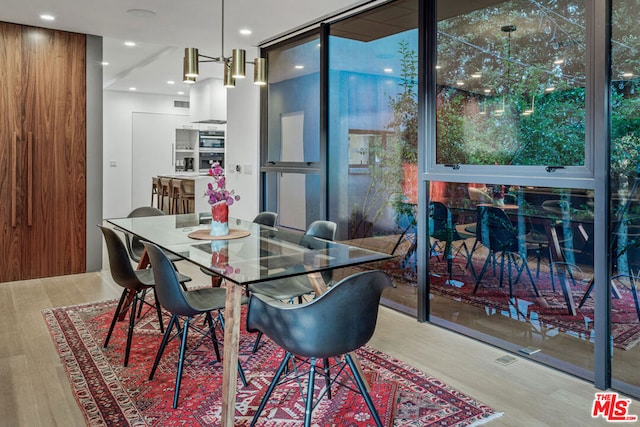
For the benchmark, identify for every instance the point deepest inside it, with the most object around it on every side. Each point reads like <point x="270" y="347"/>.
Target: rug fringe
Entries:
<point x="486" y="420"/>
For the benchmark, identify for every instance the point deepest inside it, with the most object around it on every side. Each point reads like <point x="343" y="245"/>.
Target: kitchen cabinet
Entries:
<point x="186" y="149"/>
<point x="42" y="152"/>
<point x="208" y="101"/>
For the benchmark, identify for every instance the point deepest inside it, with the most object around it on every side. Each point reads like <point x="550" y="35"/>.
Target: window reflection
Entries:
<point x="511" y="84"/>
<point x="515" y="263"/>
<point x="625" y="200"/>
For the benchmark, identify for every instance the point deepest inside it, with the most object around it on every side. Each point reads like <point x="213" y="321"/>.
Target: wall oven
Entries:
<point x="211" y="139"/>
<point x="209" y="157"/>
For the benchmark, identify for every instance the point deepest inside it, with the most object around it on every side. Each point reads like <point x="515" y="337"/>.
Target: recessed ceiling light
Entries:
<point x="132" y="89"/>
<point x="627" y="74"/>
<point x="476" y="75"/>
<point x="487" y="91"/>
<point x="181" y="93"/>
<point x="130" y="44"/>
<point x="46" y="17"/>
<point x="460" y="83"/>
<point x="388" y="70"/>
<point x="559" y="61"/>
<point x="141" y="13"/>
<point x="438" y="67"/>
<point x="299" y="67"/>
<point x="170" y="82"/>
<point x="105" y="63"/>
<point x="245" y="32"/>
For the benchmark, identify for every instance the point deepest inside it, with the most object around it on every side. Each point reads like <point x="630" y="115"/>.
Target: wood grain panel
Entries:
<point x="55" y="113"/>
<point x="11" y="151"/>
<point x="43" y="100"/>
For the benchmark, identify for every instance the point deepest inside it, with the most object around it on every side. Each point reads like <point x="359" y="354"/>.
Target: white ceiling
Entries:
<point x="160" y="39"/>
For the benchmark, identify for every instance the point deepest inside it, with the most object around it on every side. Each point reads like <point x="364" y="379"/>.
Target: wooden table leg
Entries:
<point x="320" y="287"/>
<point x="230" y="358"/>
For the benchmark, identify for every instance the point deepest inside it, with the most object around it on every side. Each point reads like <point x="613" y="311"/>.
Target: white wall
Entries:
<point x="118" y="109"/>
<point x="242" y="146"/>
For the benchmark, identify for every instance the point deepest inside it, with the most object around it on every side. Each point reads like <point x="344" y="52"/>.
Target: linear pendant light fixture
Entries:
<point x="234" y="66"/>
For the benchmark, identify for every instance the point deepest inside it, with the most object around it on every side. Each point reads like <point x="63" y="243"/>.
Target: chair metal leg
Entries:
<point x="209" y="321"/>
<point x="163" y="344"/>
<point x="132" y="322"/>
<point x="183" y="347"/>
<point x="363" y="390"/>
<point x="272" y="386"/>
<point x="327" y="376"/>
<point x="479" y="278"/>
<point x="159" y="311"/>
<point x="308" y="408"/>
<point x="256" y="343"/>
<point x="115" y="317"/>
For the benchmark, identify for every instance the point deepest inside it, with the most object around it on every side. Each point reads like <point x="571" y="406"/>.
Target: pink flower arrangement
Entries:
<point x="216" y="190"/>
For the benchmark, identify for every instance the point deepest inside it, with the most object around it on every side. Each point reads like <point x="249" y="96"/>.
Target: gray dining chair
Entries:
<point x="333" y="325"/>
<point x="135" y="284"/>
<point x="184" y="305"/>
<point x="292" y="288"/>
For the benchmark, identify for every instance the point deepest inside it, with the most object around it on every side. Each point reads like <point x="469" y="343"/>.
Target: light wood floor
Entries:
<point x="35" y="390"/>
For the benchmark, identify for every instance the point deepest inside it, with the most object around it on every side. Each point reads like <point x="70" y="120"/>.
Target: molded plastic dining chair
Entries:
<point x="266" y="218"/>
<point x="443" y="230"/>
<point x="334" y="324"/>
<point x="184" y="305"/>
<point x="296" y="287"/>
<point x="134" y="282"/>
<point x="502" y="239"/>
<point x="134" y="245"/>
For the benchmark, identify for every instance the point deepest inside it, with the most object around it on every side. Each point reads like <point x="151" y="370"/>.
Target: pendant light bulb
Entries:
<point x="237" y="64"/>
<point x="190" y="68"/>
<point x="259" y="71"/>
<point x="185" y="78"/>
<point x="229" y="81"/>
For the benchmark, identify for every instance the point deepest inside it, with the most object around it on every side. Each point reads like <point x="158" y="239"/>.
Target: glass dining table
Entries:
<point x="251" y="253"/>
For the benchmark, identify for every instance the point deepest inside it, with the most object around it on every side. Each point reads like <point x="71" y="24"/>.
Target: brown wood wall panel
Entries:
<point x="11" y="152"/>
<point x="53" y="127"/>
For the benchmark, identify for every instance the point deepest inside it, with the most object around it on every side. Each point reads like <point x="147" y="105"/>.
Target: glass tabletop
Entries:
<point x="267" y="253"/>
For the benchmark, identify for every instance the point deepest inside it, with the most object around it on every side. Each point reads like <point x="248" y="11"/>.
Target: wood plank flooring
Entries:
<point x="35" y="390"/>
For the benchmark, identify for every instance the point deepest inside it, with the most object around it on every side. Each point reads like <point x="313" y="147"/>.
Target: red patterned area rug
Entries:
<point x="111" y="395"/>
<point x="545" y="312"/>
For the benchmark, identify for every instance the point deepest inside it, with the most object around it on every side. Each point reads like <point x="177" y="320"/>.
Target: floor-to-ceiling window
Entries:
<point x="515" y="121"/>
<point x="625" y="193"/>
<point x="292" y="124"/>
<point x="513" y="250"/>
<point x="372" y="103"/>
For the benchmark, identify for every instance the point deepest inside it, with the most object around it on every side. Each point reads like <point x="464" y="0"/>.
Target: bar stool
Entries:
<point x="165" y="192"/>
<point x="155" y="191"/>
<point x="187" y="196"/>
<point x="174" y="196"/>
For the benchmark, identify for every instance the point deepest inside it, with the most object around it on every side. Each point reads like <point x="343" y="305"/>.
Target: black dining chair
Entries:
<point x="185" y="305"/>
<point x="135" y="284"/>
<point x="292" y="288"/>
<point x="332" y="325"/>
<point x="134" y="245"/>
<point x="502" y="240"/>
<point x="444" y="232"/>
